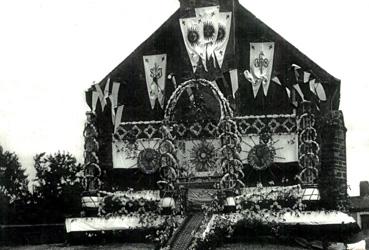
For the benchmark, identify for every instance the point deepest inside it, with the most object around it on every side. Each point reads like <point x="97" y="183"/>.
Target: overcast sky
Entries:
<point x="51" y="51"/>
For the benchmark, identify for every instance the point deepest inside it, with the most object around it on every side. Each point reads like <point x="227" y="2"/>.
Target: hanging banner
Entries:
<point x="261" y="63"/>
<point x="101" y="96"/>
<point x="192" y="36"/>
<point x="209" y="17"/>
<point x="155" y="72"/>
<point x="224" y="30"/>
<point x="118" y="117"/>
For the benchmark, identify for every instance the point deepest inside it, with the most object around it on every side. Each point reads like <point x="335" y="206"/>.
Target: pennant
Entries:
<point x="299" y="91"/>
<point x="318" y="89"/>
<point x="224" y="30"/>
<point x="306" y="76"/>
<point x="95" y="97"/>
<point x="114" y="94"/>
<point x="234" y="81"/>
<point x="101" y="96"/>
<point x="277" y="81"/>
<point x="209" y="17"/>
<point x="155" y="72"/>
<point x="107" y="88"/>
<point x="192" y="36"/>
<point x="118" y="117"/>
<point x="255" y="83"/>
<point x="261" y="64"/>
<point x="111" y="98"/>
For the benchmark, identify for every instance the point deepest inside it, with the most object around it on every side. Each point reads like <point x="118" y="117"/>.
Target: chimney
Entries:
<point x="364" y="188"/>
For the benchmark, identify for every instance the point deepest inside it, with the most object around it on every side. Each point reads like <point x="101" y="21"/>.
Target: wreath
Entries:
<point x="261" y="156"/>
<point x="148" y="160"/>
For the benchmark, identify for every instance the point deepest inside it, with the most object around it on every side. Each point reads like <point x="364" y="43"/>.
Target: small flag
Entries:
<point x="234" y="81"/>
<point x="224" y="30"/>
<point x="114" y="93"/>
<point x="95" y="97"/>
<point x="101" y="96"/>
<point x="306" y="76"/>
<point x="118" y="117"/>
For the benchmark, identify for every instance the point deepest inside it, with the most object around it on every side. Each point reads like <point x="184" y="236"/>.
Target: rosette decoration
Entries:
<point x="261" y="156"/>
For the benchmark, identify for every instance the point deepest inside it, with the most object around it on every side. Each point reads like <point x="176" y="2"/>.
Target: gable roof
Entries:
<point x="248" y="28"/>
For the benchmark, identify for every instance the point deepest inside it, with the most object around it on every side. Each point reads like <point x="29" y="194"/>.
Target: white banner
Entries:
<point x="261" y="64"/>
<point x="209" y="17"/>
<point x="224" y="30"/>
<point x="285" y="145"/>
<point x="192" y="36"/>
<point x="155" y="72"/>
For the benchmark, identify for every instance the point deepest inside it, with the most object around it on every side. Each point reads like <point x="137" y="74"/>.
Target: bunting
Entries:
<point x="101" y="96"/>
<point x="261" y="65"/>
<point x="114" y="93"/>
<point x="155" y="72"/>
<point x="95" y="97"/>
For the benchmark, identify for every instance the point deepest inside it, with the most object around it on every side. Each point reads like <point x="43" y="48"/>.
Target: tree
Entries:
<point x="14" y="194"/>
<point x="13" y="180"/>
<point x="59" y="187"/>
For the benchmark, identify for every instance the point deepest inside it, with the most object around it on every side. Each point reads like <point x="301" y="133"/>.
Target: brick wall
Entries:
<point x="333" y="173"/>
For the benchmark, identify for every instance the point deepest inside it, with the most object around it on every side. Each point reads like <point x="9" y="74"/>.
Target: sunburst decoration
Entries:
<point x="203" y="156"/>
<point x="260" y="158"/>
<point x="193" y="36"/>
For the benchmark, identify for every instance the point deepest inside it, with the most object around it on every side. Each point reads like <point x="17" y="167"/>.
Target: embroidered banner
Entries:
<point x="192" y="36"/>
<point x="224" y="30"/>
<point x="209" y="17"/>
<point x="261" y="65"/>
<point x="155" y="72"/>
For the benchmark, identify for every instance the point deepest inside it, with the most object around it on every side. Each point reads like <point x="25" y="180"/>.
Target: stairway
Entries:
<point x="183" y="237"/>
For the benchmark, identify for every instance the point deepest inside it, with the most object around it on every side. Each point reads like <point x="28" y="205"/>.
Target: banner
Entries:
<point x="118" y="117"/>
<point x="114" y="94"/>
<point x="285" y="145"/>
<point x="261" y="64"/>
<point x="155" y="72"/>
<point x="192" y="36"/>
<point x="101" y="96"/>
<point x="209" y="17"/>
<point x="224" y="30"/>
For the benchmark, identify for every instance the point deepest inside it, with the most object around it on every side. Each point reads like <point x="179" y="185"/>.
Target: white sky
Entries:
<point x="52" y="50"/>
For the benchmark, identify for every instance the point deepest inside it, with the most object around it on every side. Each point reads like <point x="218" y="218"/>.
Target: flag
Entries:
<point x="277" y="81"/>
<point x="318" y="89"/>
<point x="234" y="81"/>
<point x="306" y="76"/>
<point x="114" y="93"/>
<point x="192" y="36"/>
<point x="101" y="96"/>
<point x="95" y="97"/>
<point x="107" y="88"/>
<point x="155" y="72"/>
<point x="224" y="30"/>
<point x="209" y="17"/>
<point x="261" y="64"/>
<point x="118" y="117"/>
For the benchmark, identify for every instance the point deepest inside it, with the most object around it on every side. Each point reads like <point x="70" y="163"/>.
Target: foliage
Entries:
<point x="13" y="180"/>
<point x="59" y="187"/>
<point x="14" y="194"/>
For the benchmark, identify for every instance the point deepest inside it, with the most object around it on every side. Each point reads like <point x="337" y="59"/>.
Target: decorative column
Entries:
<point x="92" y="171"/>
<point x="333" y="176"/>
<point x="309" y="148"/>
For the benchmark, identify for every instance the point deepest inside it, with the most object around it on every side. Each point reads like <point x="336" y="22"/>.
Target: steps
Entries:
<point x="182" y="239"/>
